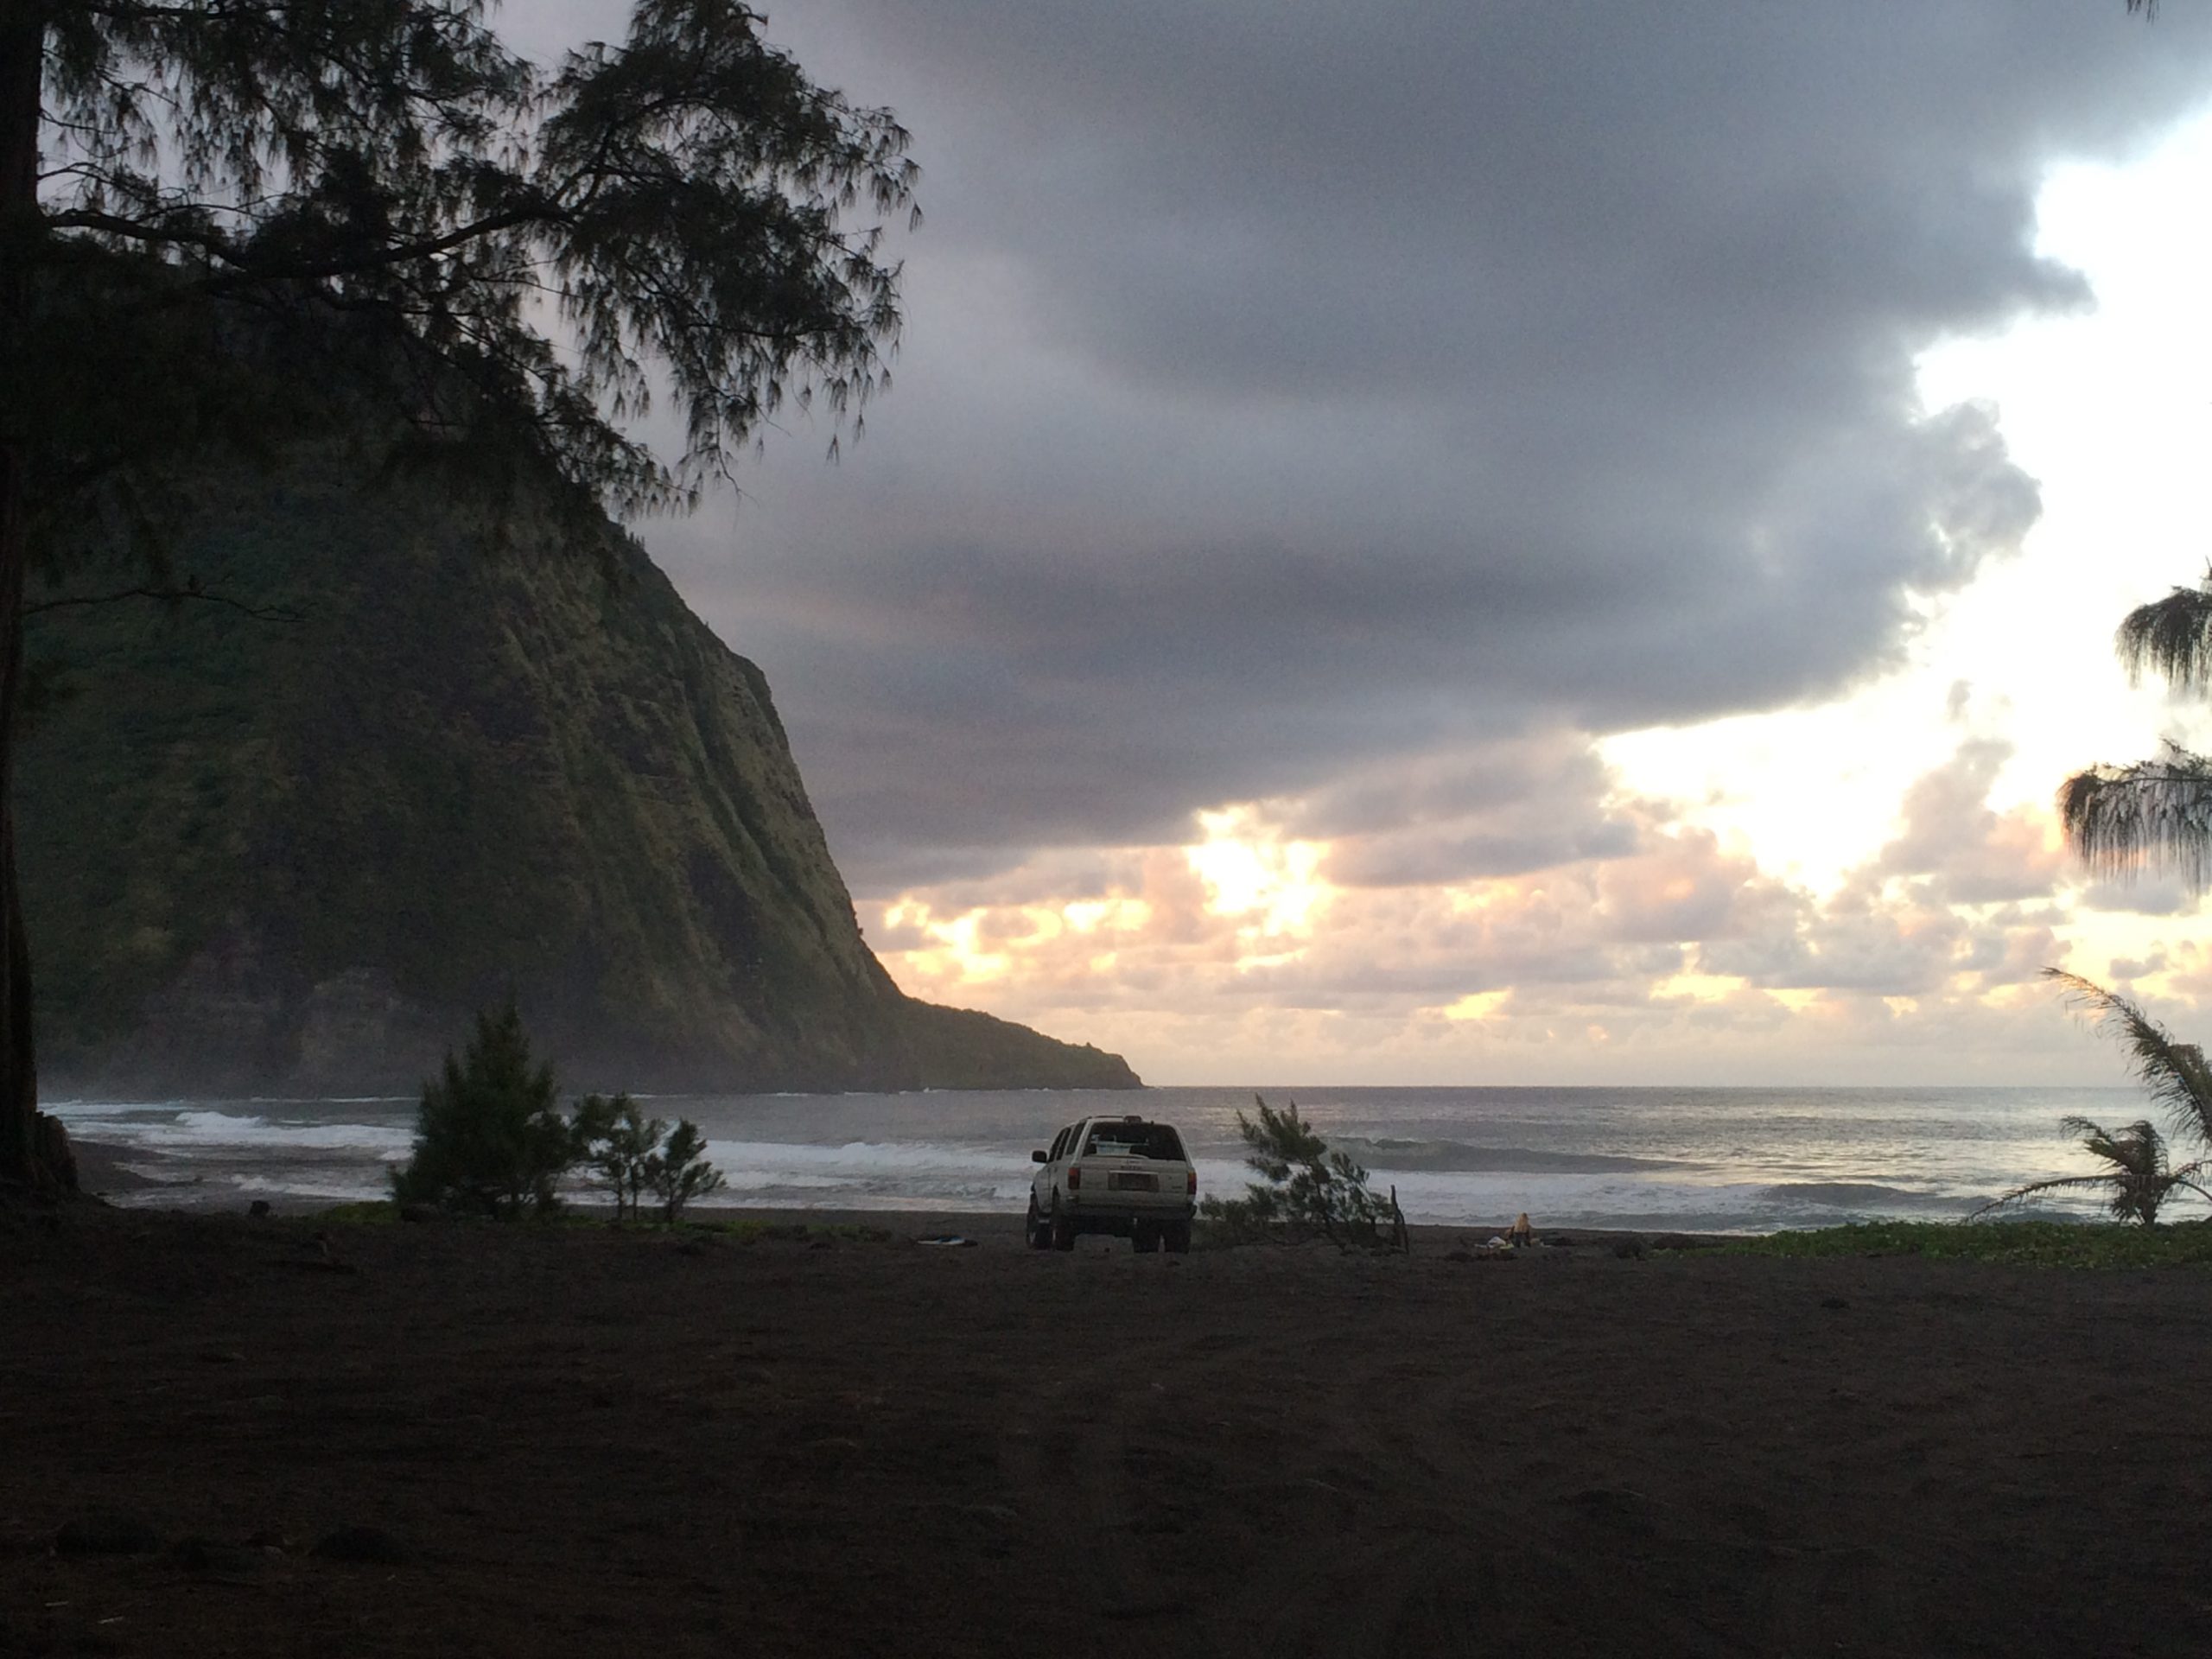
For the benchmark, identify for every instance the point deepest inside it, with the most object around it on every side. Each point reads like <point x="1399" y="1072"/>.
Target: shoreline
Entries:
<point x="1578" y="1164"/>
<point x="102" y="1177"/>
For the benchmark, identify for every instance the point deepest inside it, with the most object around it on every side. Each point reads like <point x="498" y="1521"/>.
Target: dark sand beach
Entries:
<point x="565" y="1440"/>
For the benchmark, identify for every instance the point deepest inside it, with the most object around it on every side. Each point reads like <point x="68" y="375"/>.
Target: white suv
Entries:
<point x="1119" y="1175"/>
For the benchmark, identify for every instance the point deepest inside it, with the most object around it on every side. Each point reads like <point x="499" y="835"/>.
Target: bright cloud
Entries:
<point x="1240" y="955"/>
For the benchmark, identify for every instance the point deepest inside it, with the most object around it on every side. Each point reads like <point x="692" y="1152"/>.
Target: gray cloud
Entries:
<point x="2158" y="894"/>
<point x="1290" y="391"/>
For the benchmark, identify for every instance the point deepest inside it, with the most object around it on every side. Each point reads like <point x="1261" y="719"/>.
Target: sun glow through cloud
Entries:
<point x="1860" y="890"/>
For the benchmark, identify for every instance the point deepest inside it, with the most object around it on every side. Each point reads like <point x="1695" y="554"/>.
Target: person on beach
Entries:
<point x="1521" y="1233"/>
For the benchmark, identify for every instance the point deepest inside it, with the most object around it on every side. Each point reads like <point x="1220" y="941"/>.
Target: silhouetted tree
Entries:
<point x="617" y="1143"/>
<point x="2155" y="812"/>
<point x="2136" y="1177"/>
<point x="1305" y="1186"/>
<point x="679" y="1171"/>
<point x="2172" y="1072"/>
<point x="2137" y="1173"/>
<point x="489" y="1136"/>
<point x="198" y="197"/>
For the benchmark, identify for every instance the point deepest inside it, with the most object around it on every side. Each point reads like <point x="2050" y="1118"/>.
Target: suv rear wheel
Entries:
<point x="1036" y="1230"/>
<point x="1063" y="1232"/>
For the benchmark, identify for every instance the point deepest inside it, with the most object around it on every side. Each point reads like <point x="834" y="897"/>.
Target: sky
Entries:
<point x="1458" y="543"/>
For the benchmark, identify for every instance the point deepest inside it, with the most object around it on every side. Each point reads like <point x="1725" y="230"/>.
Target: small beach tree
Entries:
<point x="679" y="1171"/>
<point x="1305" y="1188"/>
<point x="617" y="1143"/>
<point x="489" y="1136"/>
<point x="2121" y="820"/>
<point x="2137" y="1176"/>
<point x="2136" y="1170"/>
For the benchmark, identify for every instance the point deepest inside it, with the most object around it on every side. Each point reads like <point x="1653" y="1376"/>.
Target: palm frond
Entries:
<point x="2138" y="1150"/>
<point x="2034" y="1187"/>
<point x="2171" y="637"/>
<point x="2154" y="814"/>
<point x="2174" y="1073"/>
<point x="2187" y="1176"/>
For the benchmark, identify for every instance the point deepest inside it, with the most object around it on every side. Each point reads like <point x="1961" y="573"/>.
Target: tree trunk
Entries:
<point x="32" y="1147"/>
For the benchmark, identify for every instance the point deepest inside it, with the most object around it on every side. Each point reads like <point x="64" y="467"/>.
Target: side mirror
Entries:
<point x="1039" y="1158"/>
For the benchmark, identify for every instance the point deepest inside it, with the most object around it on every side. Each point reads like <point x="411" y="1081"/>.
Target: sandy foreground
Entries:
<point x="569" y="1441"/>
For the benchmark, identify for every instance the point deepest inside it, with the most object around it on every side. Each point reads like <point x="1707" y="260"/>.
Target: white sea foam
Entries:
<point x="207" y="1130"/>
<point x="1679" y="1159"/>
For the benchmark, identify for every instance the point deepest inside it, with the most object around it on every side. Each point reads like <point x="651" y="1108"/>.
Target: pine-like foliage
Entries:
<point x="1305" y="1187"/>
<point x="679" y="1171"/>
<point x="489" y="1136"/>
<point x="633" y="1154"/>
<point x="617" y="1143"/>
<point x="521" y="254"/>
<point x="224" y="224"/>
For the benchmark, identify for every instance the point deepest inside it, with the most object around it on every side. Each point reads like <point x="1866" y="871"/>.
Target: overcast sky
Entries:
<point x="1320" y="428"/>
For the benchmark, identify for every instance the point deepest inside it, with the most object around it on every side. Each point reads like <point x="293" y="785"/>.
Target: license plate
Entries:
<point x="1133" y="1183"/>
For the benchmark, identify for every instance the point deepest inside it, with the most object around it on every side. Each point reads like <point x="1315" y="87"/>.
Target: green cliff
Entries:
<point x="462" y="752"/>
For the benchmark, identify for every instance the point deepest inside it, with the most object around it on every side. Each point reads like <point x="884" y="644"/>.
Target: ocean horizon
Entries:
<point x="1733" y="1159"/>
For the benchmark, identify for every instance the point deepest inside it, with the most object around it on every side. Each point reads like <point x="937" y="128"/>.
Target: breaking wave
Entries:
<point x="1383" y="1151"/>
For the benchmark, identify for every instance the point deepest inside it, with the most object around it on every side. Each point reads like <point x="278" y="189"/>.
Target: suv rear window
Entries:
<point x="1133" y="1141"/>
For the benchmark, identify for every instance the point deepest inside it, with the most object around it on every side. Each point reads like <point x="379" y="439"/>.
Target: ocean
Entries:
<point x="1722" y="1160"/>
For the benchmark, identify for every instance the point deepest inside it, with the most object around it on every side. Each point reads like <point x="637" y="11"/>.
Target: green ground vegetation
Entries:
<point x="2028" y="1243"/>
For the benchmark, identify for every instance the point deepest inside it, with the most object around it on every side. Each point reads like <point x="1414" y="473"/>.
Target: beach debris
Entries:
<point x="259" y="1209"/>
<point x="948" y="1242"/>
<point x="1630" y="1249"/>
<point x="369" y="1544"/>
<point x="106" y="1532"/>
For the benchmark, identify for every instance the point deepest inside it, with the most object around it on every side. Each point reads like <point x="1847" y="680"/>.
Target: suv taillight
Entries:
<point x="1192" y="1189"/>
<point x="1075" y="1178"/>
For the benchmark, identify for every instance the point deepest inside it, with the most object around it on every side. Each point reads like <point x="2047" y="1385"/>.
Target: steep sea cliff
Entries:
<point x="428" y="750"/>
